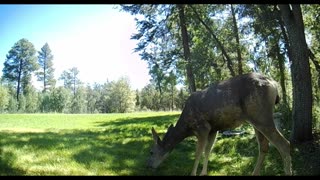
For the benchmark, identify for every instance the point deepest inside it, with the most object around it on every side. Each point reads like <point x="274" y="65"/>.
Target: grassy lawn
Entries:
<point x="119" y="144"/>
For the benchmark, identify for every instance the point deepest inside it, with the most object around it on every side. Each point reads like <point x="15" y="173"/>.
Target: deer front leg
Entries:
<point x="202" y="141"/>
<point x="202" y="135"/>
<point x="211" y="140"/>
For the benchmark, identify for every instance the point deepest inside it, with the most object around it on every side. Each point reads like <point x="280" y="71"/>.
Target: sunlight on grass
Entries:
<point x="115" y="144"/>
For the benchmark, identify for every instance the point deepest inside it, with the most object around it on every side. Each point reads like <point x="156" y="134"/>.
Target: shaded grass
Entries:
<point x="119" y="144"/>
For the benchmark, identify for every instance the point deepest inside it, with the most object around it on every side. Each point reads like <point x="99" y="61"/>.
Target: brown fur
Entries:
<point x="228" y="104"/>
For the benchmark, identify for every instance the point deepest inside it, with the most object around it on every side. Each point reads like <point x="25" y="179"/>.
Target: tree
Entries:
<point x="59" y="99"/>
<point x="163" y="37"/>
<point x="236" y="34"/>
<point x="46" y="73"/>
<point x="19" y="64"/>
<point x="44" y="102"/>
<point x="181" y="98"/>
<point x="70" y="79"/>
<point x="92" y="98"/>
<point x="4" y="98"/>
<point x="12" y="105"/>
<point x="300" y="72"/>
<point x="31" y="97"/>
<point x="171" y="83"/>
<point x="186" y="47"/>
<point x="219" y="43"/>
<point x="122" y="98"/>
<point x="150" y="97"/>
<point x="137" y="104"/>
<point x="78" y="103"/>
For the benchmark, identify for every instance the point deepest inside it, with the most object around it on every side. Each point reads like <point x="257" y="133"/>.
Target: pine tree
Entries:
<point x="46" y="73"/>
<point x="19" y="64"/>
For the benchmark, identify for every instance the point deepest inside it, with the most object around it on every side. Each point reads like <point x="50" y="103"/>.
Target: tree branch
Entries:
<point x="229" y="61"/>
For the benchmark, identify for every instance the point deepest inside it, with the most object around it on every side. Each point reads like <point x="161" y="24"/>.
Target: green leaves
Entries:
<point x="20" y="63"/>
<point x="46" y="73"/>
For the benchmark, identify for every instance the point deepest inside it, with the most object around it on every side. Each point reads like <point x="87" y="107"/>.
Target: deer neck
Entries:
<point x="175" y="135"/>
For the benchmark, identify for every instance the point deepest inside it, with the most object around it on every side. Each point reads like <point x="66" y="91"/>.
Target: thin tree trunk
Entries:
<point x="44" y="78"/>
<point x="172" y="97"/>
<point x="316" y="64"/>
<point x="300" y="72"/>
<point x="224" y="52"/>
<point x="236" y="34"/>
<point x="313" y="59"/>
<point x="19" y="80"/>
<point x="285" y="37"/>
<point x="282" y="76"/>
<point x="74" y="86"/>
<point x="186" y="48"/>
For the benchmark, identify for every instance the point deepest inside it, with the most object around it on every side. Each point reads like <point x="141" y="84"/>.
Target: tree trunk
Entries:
<point x="282" y="76"/>
<point x="19" y="79"/>
<point x="172" y="97"/>
<point x="186" y="48"/>
<point x="44" y="78"/>
<point x="300" y="72"/>
<point x="236" y="34"/>
<point x="285" y="37"/>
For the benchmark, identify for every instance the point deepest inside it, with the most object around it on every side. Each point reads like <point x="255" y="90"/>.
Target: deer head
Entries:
<point x="158" y="152"/>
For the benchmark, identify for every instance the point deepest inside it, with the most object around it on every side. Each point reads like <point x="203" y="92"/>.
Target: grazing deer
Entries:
<point x="245" y="98"/>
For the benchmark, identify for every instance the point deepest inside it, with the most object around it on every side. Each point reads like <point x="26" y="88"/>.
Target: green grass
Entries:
<point x="119" y="144"/>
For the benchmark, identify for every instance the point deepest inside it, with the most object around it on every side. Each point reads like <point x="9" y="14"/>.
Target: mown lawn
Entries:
<point x="119" y="144"/>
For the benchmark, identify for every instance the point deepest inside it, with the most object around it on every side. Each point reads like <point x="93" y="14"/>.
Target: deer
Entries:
<point x="221" y="106"/>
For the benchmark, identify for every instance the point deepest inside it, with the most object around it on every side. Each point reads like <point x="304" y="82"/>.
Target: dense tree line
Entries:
<point x="18" y="94"/>
<point x="75" y="97"/>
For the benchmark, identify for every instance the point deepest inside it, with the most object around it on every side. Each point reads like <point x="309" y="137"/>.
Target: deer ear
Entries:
<point x="156" y="138"/>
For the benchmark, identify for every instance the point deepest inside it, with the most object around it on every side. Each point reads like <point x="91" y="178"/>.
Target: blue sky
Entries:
<point x="93" y="38"/>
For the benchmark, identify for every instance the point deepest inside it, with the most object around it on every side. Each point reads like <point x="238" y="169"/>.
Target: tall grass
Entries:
<point x="115" y="144"/>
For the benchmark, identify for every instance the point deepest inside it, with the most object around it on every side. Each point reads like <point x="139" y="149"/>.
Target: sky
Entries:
<point x="93" y="38"/>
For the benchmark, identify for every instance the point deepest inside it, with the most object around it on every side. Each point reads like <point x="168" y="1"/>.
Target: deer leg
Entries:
<point x="281" y="143"/>
<point x="202" y="135"/>
<point x="263" y="149"/>
<point x="211" y="140"/>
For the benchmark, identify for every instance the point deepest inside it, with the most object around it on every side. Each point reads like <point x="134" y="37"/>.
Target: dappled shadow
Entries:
<point x="121" y="147"/>
<point x="6" y="164"/>
<point x="308" y="156"/>
<point x="149" y="121"/>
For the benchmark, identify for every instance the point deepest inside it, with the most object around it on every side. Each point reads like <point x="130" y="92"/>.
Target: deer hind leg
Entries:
<point x="211" y="139"/>
<point x="263" y="149"/>
<point x="269" y="130"/>
<point x="202" y="136"/>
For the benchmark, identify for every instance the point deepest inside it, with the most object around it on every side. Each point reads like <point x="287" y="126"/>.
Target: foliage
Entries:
<point x="121" y="97"/>
<point x="71" y="79"/>
<point x="13" y="104"/>
<point x="22" y="104"/>
<point x="46" y="73"/>
<point x="78" y="103"/>
<point x="4" y="98"/>
<point x="31" y="100"/>
<point x="19" y="64"/>
<point x="60" y="99"/>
